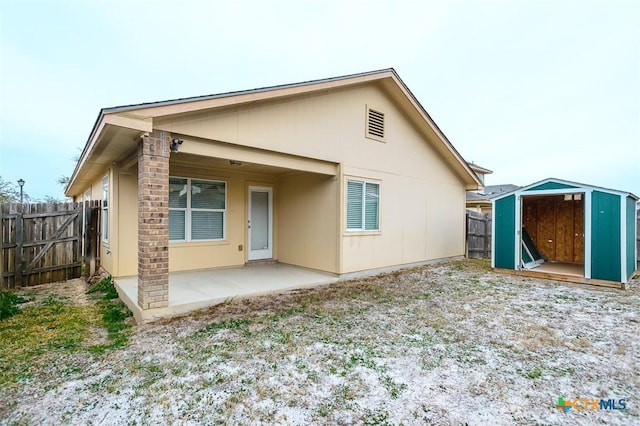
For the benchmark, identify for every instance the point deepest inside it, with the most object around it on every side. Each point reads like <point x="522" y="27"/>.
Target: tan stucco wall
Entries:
<point x="127" y="223"/>
<point x="419" y="220"/>
<point x="107" y="255"/>
<point x="195" y="255"/>
<point x="422" y="200"/>
<point x="308" y="221"/>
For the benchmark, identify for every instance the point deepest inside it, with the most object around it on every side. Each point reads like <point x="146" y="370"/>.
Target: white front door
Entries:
<point x="260" y="223"/>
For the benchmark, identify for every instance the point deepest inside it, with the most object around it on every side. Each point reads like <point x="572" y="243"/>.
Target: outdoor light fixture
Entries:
<point x="21" y="183"/>
<point x="235" y="163"/>
<point x="175" y="144"/>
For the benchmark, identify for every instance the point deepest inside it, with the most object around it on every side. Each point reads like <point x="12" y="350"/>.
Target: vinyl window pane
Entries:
<point x="177" y="219"/>
<point x="207" y="225"/>
<point x="372" y="191"/>
<point x="177" y="193"/>
<point x="207" y="195"/>
<point x="354" y="205"/>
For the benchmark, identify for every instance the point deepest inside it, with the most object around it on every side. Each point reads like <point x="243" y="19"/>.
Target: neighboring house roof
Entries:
<point x="119" y="126"/>
<point x="490" y="192"/>
<point x="560" y="185"/>
<point x="479" y="169"/>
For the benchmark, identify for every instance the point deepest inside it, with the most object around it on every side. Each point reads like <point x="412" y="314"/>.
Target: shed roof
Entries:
<point x="557" y="185"/>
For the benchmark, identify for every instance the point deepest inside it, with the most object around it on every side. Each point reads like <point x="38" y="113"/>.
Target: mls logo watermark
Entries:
<point x="591" y="404"/>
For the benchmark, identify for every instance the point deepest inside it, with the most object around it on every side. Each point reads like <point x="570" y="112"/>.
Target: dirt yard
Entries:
<point x="448" y="344"/>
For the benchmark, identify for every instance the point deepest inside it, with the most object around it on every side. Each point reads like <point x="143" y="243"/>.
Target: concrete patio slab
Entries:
<point x="192" y="290"/>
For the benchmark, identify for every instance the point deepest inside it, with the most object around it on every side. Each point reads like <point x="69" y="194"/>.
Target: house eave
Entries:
<point x="140" y="117"/>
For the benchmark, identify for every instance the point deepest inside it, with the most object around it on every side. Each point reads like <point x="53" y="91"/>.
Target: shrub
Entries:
<point x="9" y="304"/>
<point x="106" y="287"/>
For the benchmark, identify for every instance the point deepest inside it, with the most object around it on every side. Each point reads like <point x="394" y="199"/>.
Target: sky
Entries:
<point x="528" y="89"/>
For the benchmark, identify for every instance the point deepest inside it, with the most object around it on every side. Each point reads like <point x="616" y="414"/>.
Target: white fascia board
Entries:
<point x="493" y="234"/>
<point x="518" y="231"/>
<point x="553" y="191"/>
<point x="623" y="240"/>
<point x="587" y="233"/>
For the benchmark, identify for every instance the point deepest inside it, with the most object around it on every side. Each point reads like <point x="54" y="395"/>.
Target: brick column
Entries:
<point x="153" y="220"/>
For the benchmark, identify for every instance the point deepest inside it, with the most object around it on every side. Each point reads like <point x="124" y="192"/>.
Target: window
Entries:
<point x="363" y="206"/>
<point x="105" y="208"/>
<point x="375" y="124"/>
<point x="197" y="209"/>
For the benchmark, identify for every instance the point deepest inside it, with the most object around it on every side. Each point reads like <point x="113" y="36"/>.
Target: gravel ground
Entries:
<point x="448" y="344"/>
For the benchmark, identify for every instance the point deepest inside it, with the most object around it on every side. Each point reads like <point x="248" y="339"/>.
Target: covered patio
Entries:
<point x="191" y="290"/>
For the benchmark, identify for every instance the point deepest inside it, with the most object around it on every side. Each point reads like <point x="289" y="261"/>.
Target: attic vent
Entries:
<point x="375" y="124"/>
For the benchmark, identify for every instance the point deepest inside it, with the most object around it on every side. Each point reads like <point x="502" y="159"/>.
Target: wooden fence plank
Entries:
<point x="2" y="237"/>
<point x="18" y="252"/>
<point x="52" y="240"/>
<point x="478" y="235"/>
<point x="40" y="243"/>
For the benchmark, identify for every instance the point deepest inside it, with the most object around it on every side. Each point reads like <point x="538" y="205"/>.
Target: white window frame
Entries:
<point x="188" y="210"/>
<point x="105" y="209"/>
<point x="364" y="183"/>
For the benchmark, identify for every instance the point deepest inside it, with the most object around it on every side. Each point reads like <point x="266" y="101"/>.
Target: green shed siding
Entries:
<point x="505" y="225"/>
<point x="631" y="236"/>
<point x="605" y="236"/>
<point x="551" y="185"/>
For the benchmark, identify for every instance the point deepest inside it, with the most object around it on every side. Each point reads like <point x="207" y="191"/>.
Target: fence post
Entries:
<point x="485" y="240"/>
<point x="466" y="234"/>
<point x="2" y="237"/>
<point x="18" y="253"/>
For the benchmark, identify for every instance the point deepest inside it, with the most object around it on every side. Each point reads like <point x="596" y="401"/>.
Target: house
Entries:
<point x="480" y="171"/>
<point x="480" y="200"/>
<point x="340" y="175"/>
<point x="566" y="231"/>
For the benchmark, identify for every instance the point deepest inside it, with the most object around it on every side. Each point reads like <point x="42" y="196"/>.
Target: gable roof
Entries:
<point x="130" y="121"/>
<point x="479" y="169"/>
<point x="491" y="191"/>
<point x="560" y="186"/>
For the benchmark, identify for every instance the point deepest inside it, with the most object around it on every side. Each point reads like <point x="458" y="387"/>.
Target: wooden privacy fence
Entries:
<point x="47" y="242"/>
<point x="478" y="235"/>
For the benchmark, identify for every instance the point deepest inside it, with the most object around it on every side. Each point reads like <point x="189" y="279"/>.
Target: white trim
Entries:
<point x="623" y="239"/>
<point x="493" y="234"/>
<point x="635" y="232"/>
<point x="578" y="187"/>
<point x="552" y="191"/>
<point x="263" y="253"/>
<point x="105" y="220"/>
<point x="188" y="209"/>
<point x="587" y="232"/>
<point x="518" y="232"/>
<point x="364" y="183"/>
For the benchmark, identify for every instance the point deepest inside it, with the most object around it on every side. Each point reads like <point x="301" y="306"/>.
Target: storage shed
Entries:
<point x="566" y="231"/>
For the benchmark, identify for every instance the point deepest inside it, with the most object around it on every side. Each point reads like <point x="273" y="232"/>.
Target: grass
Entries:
<point x="104" y="288"/>
<point x="447" y="344"/>
<point x="35" y="335"/>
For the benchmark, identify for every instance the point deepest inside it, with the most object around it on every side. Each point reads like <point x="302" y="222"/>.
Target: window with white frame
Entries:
<point x="105" y="208"/>
<point x="363" y="206"/>
<point x="197" y="209"/>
